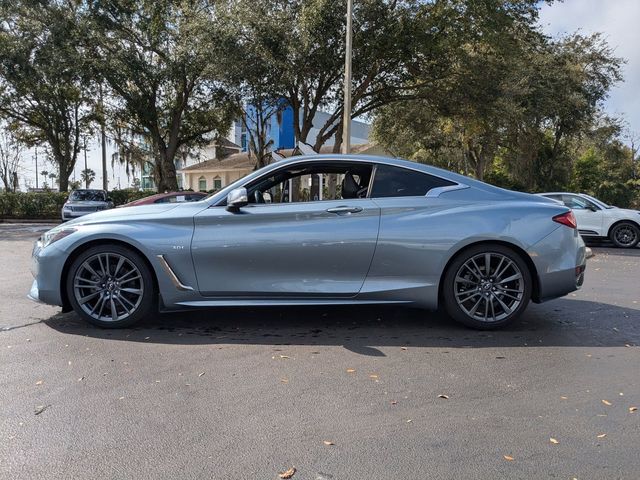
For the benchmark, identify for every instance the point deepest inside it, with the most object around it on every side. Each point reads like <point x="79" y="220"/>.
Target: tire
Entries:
<point x="625" y="235"/>
<point x="108" y="277"/>
<point x="486" y="302"/>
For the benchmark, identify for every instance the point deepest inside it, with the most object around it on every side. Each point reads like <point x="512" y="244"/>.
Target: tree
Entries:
<point x="87" y="176"/>
<point x="301" y="43"/>
<point x="44" y="88"/>
<point x="511" y="95"/>
<point x="159" y="60"/>
<point x="10" y="157"/>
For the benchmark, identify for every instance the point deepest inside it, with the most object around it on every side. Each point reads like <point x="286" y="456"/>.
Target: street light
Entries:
<point x="346" y="119"/>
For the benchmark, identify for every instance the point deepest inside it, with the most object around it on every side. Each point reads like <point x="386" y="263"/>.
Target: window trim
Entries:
<point x="222" y="202"/>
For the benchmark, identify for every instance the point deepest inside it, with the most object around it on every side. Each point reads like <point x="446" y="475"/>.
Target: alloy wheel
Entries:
<point x="108" y="287"/>
<point x="488" y="287"/>
<point x="625" y="235"/>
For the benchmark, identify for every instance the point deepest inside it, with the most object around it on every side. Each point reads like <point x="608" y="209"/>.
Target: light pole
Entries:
<point x="346" y="119"/>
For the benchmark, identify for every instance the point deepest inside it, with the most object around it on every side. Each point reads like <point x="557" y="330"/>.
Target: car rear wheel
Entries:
<point x="625" y="235"/>
<point x="487" y="287"/>
<point x="110" y="286"/>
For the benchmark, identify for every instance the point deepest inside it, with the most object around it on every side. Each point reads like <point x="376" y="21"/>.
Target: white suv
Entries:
<point x="596" y="219"/>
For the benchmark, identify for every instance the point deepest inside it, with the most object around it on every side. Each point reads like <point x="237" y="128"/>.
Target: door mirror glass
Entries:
<point x="237" y="198"/>
<point x="267" y="197"/>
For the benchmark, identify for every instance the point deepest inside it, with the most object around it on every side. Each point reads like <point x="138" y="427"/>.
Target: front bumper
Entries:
<point x="46" y="267"/>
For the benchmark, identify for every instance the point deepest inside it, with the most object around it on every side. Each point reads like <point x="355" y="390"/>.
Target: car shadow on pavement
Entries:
<point x="564" y="322"/>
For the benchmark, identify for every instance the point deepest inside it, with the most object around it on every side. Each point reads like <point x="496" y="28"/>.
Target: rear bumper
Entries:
<point x="560" y="260"/>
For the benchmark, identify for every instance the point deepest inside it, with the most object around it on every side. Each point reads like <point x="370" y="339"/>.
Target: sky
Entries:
<point x="616" y="19"/>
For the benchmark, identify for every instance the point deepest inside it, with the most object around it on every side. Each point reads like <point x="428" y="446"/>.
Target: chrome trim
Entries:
<point x="435" y="192"/>
<point x="174" y="278"/>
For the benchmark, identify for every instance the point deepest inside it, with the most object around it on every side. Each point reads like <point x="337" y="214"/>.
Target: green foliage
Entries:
<point x="45" y="87"/>
<point x="160" y="60"/>
<point x="126" y="195"/>
<point x="41" y="205"/>
<point x="48" y="205"/>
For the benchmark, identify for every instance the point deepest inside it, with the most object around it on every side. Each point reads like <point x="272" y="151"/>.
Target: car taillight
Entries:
<point x="567" y="219"/>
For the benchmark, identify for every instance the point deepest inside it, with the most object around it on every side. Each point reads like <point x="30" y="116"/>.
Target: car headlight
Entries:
<point x="56" y="234"/>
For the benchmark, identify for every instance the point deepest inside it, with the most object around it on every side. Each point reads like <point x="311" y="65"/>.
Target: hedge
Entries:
<point x="48" y="205"/>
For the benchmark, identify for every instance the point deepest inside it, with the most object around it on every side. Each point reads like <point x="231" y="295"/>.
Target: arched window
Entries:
<point x="217" y="182"/>
<point x="202" y="184"/>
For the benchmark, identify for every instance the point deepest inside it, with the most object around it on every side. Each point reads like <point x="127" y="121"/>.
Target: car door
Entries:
<point x="292" y="249"/>
<point x="589" y="216"/>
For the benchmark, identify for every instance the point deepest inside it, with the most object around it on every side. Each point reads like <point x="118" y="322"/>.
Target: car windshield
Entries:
<point x="87" y="195"/>
<point x="600" y="203"/>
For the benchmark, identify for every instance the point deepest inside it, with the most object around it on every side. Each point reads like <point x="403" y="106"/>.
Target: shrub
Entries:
<point x="48" y="205"/>
<point x="32" y="205"/>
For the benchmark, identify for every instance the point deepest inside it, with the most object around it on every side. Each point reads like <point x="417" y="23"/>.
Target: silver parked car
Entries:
<point x="84" y="201"/>
<point x="323" y="230"/>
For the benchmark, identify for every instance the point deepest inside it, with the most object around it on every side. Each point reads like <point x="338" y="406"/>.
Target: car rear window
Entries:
<point x="392" y="181"/>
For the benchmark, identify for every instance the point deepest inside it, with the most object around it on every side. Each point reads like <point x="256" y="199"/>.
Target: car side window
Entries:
<point x="312" y="183"/>
<point x="390" y="181"/>
<point x="575" y="202"/>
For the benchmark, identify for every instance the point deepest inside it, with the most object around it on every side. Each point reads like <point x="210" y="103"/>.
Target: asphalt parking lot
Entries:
<point x="337" y="393"/>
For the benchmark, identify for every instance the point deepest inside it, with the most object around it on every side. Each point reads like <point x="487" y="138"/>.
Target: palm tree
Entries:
<point x="87" y="176"/>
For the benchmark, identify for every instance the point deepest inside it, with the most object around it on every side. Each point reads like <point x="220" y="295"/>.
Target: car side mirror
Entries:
<point x="237" y="199"/>
<point x="593" y="208"/>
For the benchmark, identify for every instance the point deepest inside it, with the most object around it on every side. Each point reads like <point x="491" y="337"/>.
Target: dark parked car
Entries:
<point x="84" y="201"/>
<point x="170" y="197"/>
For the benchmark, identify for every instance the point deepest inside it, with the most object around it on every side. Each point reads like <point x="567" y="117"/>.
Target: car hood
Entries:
<point x="85" y="203"/>
<point x="122" y="214"/>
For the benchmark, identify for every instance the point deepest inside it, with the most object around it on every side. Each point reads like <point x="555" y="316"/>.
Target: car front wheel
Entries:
<point x="625" y="235"/>
<point x="110" y="286"/>
<point x="487" y="287"/>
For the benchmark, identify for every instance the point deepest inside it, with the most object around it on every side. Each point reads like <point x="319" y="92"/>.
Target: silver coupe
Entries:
<point x="321" y="230"/>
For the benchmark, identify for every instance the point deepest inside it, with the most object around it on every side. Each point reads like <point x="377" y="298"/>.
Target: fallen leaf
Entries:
<point x="284" y="356"/>
<point x="564" y="398"/>
<point x="39" y="382"/>
<point x="81" y="379"/>
<point x="606" y="402"/>
<point x="394" y="402"/>
<point x="201" y="374"/>
<point x="373" y="375"/>
<point x="633" y="409"/>
<point x="403" y="348"/>
<point x="284" y="380"/>
<point x="328" y="442"/>
<point x="554" y="441"/>
<point x="40" y="408"/>
<point x="602" y="435"/>
<point x="508" y="457"/>
<point x="288" y="474"/>
<point x="446" y="397"/>
<point x="409" y="421"/>
<point x="120" y="398"/>
<point x="351" y="370"/>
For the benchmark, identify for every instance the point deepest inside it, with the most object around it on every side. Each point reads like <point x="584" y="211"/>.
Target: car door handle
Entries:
<point x="344" y="210"/>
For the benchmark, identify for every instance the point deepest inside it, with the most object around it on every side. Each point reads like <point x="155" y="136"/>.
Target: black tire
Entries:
<point x="625" y="235"/>
<point x="461" y="287"/>
<point x="103" y="287"/>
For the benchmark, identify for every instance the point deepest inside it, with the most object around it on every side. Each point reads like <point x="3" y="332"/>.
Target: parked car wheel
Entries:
<point x="486" y="287"/>
<point x="110" y="286"/>
<point x="625" y="235"/>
